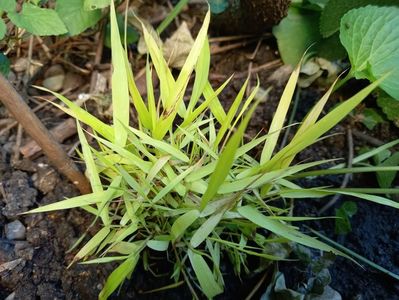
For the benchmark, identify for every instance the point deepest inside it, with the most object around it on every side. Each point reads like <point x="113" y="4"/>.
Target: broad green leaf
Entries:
<point x="205" y="277"/>
<point x="283" y="230"/>
<point x="96" y="4"/>
<point x="8" y="5"/>
<point x="385" y="179"/>
<point x="39" y="21"/>
<point x="390" y="107"/>
<point x="372" y="117"/>
<point x="296" y="33"/>
<point x="75" y="18"/>
<point x="118" y="276"/>
<point x="120" y="90"/>
<point x="3" y="30"/>
<point x="4" y="64"/>
<point x="183" y="222"/>
<point x="371" y="38"/>
<point x="336" y="9"/>
<point x="218" y="6"/>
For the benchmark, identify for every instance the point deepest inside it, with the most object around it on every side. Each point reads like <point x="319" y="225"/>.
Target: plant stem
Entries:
<point x="31" y="123"/>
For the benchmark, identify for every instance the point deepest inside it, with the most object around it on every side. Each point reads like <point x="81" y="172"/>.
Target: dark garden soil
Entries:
<point x="34" y="257"/>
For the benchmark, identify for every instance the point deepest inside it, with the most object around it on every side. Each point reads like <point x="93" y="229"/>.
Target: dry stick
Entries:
<point x="369" y="139"/>
<point x="347" y="175"/>
<point x="57" y="156"/>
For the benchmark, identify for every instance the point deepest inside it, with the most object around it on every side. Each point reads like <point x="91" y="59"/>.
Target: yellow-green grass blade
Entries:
<point x="152" y="107"/>
<point x="142" y="111"/>
<point x="319" y="192"/>
<point x="118" y="276"/>
<point x="247" y="102"/>
<point x="225" y="161"/>
<point x="215" y="105"/>
<point x="257" y="181"/>
<point x="160" y="145"/>
<point x="171" y="16"/>
<point x="134" y="159"/>
<point x="368" y="154"/>
<point x="206" y="279"/>
<point x="79" y="201"/>
<point x="91" y="170"/>
<point x="120" y="89"/>
<point x="245" y="250"/>
<point x="104" y="260"/>
<point x="205" y="229"/>
<point x="201" y="76"/>
<point x="183" y="222"/>
<point x="158" y="245"/>
<point x="279" y="116"/>
<point x="345" y="171"/>
<point x="230" y="115"/>
<point x="252" y="214"/>
<point x="166" y="80"/>
<point x="93" y="243"/>
<point x="83" y="116"/>
<point x="210" y="98"/>
<point x="190" y="63"/>
<point x="172" y="184"/>
<point x="319" y="128"/>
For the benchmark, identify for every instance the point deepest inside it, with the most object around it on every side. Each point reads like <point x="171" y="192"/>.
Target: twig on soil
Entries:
<point x="369" y="139"/>
<point x="347" y="176"/>
<point x="267" y="66"/>
<point x="221" y="49"/>
<point x="258" y="285"/>
<point x="60" y="133"/>
<point x="250" y="66"/>
<point x="57" y="156"/>
<point x="97" y="61"/>
<point x="18" y="143"/>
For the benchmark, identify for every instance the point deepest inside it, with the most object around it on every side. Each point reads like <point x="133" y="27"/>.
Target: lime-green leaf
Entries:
<point x="204" y="275"/>
<point x="120" y="90"/>
<point x="205" y="229"/>
<point x="96" y="4"/>
<point x="296" y="33"/>
<point x="183" y="222"/>
<point x="225" y="161"/>
<point x="283" y="230"/>
<point x="335" y="9"/>
<point x="3" y="29"/>
<point x="118" y="276"/>
<point x="39" y="21"/>
<point x="92" y="243"/>
<point x="75" y="18"/>
<point x="8" y="5"/>
<point x="371" y="38"/>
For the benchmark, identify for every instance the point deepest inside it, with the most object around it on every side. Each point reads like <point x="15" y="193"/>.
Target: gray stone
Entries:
<point x="15" y="230"/>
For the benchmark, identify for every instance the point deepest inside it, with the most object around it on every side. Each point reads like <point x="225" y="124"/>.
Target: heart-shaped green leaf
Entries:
<point x="370" y="35"/>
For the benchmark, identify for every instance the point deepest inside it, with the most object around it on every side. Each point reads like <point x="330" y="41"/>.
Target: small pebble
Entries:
<point x="15" y="230"/>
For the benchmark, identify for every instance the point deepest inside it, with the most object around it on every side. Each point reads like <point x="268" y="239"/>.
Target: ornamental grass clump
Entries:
<point x="183" y="181"/>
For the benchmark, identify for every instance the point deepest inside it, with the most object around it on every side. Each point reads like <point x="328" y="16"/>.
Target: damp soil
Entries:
<point x="36" y="266"/>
